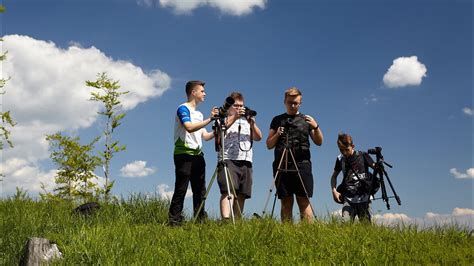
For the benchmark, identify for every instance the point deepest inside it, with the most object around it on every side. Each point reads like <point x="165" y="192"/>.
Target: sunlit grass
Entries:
<point x="134" y="231"/>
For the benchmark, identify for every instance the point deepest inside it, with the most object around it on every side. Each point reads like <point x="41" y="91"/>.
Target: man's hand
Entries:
<point x="240" y="112"/>
<point x="280" y="131"/>
<point x="310" y="120"/>
<point x="251" y="120"/>
<point x="214" y="112"/>
<point x="337" y="196"/>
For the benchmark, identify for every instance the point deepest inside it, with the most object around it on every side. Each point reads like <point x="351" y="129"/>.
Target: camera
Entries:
<point x="376" y="151"/>
<point x="249" y="112"/>
<point x="229" y="101"/>
<point x="288" y="123"/>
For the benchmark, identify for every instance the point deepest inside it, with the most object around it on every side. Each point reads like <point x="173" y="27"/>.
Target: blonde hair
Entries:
<point x="292" y="92"/>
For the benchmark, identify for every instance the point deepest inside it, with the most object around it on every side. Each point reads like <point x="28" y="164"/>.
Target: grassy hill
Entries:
<point x="134" y="232"/>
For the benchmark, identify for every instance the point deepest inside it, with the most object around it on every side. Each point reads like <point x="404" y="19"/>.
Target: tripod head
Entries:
<point x="219" y="128"/>
<point x="380" y="171"/>
<point x="219" y="122"/>
<point x="378" y="155"/>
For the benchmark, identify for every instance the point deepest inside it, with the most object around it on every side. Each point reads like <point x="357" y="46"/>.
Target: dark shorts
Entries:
<point x="289" y="183"/>
<point x="361" y="210"/>
<point x="241" y="174"/>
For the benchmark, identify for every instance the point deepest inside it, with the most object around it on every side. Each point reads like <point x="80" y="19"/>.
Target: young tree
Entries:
<point x="6" y="119"/>
<point x="76" y="166"/>
<point x="108" y="94"/>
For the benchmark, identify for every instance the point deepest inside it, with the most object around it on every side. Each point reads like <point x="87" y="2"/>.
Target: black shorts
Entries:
<point x="241" y="173"/>
<point x="289" y="183"/>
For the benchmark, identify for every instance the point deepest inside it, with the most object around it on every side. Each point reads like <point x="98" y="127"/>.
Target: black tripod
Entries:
<point x="276" y="179"/>
<point x="219" y="129"/>
<point x="380" y="172"/>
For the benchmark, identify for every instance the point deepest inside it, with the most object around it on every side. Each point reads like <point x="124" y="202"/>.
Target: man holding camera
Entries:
<point x="241" y="131"/>
<point x="292" y="131"/>
<point x="188" y="156"/>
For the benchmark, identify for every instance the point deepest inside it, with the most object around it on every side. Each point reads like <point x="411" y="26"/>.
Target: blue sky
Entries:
<point x="336" y="52"/>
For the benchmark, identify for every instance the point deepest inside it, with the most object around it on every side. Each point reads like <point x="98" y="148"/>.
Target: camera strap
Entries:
<point x="251" y="138"/>
<point x="346" y="161"/>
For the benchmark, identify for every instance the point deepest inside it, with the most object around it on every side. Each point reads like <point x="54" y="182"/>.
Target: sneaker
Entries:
<point x="173" y="221"/>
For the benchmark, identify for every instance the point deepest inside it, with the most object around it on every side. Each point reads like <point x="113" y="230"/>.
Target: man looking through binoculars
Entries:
<point x="241" y="131"/>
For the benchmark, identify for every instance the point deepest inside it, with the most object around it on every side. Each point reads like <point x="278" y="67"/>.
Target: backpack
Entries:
<point x="371" y="184"/>
<point x="368" y="183"/>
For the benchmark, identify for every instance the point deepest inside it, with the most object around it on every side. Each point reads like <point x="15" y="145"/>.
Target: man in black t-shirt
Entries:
<point x="298" y="128"/>
<point x="355" y="189"/>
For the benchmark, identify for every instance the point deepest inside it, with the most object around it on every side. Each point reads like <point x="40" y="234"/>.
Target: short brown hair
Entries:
<point x="292" y="92"/>
<point x="190" y="85"/>
<point x="344" y="140"/>
<point x="237" y="96"/>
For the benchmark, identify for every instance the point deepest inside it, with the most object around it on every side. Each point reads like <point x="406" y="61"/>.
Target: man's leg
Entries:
<point x="363" y="211"/>
<point x="348" y="212"/>
<point x="243" y="184"/>
<point x="304" y="190"/>
<point x="225" y="208"/>
<point x="287" y="209"/>
<point x="198" y="185"/>
<point x="306" y="213"/>
<point x="225" y="205"/>
<point x="182" y="172"/>
<point x="240" y="209"/>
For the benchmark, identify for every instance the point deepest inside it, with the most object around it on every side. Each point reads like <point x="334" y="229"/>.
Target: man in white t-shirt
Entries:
<point x="189" y="162"/>
<point x="241" y="131"/>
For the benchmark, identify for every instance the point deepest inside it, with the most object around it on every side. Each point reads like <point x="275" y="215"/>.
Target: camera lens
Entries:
<point x="229" y="101"/>
<point x="250" y="112"/>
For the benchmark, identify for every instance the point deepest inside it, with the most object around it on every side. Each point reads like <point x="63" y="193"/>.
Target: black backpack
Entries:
<point x="370" y="184"/>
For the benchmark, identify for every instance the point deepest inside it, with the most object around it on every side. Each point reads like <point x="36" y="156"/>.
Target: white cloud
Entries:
<point x="136" y="169"/>
<point x="405" y="71"/>
<point x="392" y="218"/>
<point x="231" y="7"/>
<point x="47" y="93"/>
<point x="469" y="173"/>
<point x="462" y="212"/>
<point x="467" y="111"/>
<point x="29" y="176"/>
<point x="459" y="216"/>
<point x="164" y="193"/>
<point x="26" y="175"/>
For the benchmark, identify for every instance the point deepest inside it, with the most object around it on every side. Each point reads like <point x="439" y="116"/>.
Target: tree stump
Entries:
<point x="39" y="251"/>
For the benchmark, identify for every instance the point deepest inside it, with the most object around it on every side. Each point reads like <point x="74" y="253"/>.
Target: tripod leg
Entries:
<point x="397" y="198"/>
<point x="302" y="183"/>
<point x="384" y="190"/>
<point x="235" y="198"/>
<point x="229" y="194"/>
<point x="205" y="196"/>
<point x="273" y="185"/>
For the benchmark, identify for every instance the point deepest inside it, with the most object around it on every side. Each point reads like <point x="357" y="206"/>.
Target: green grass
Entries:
<point x="134" y="232"/>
